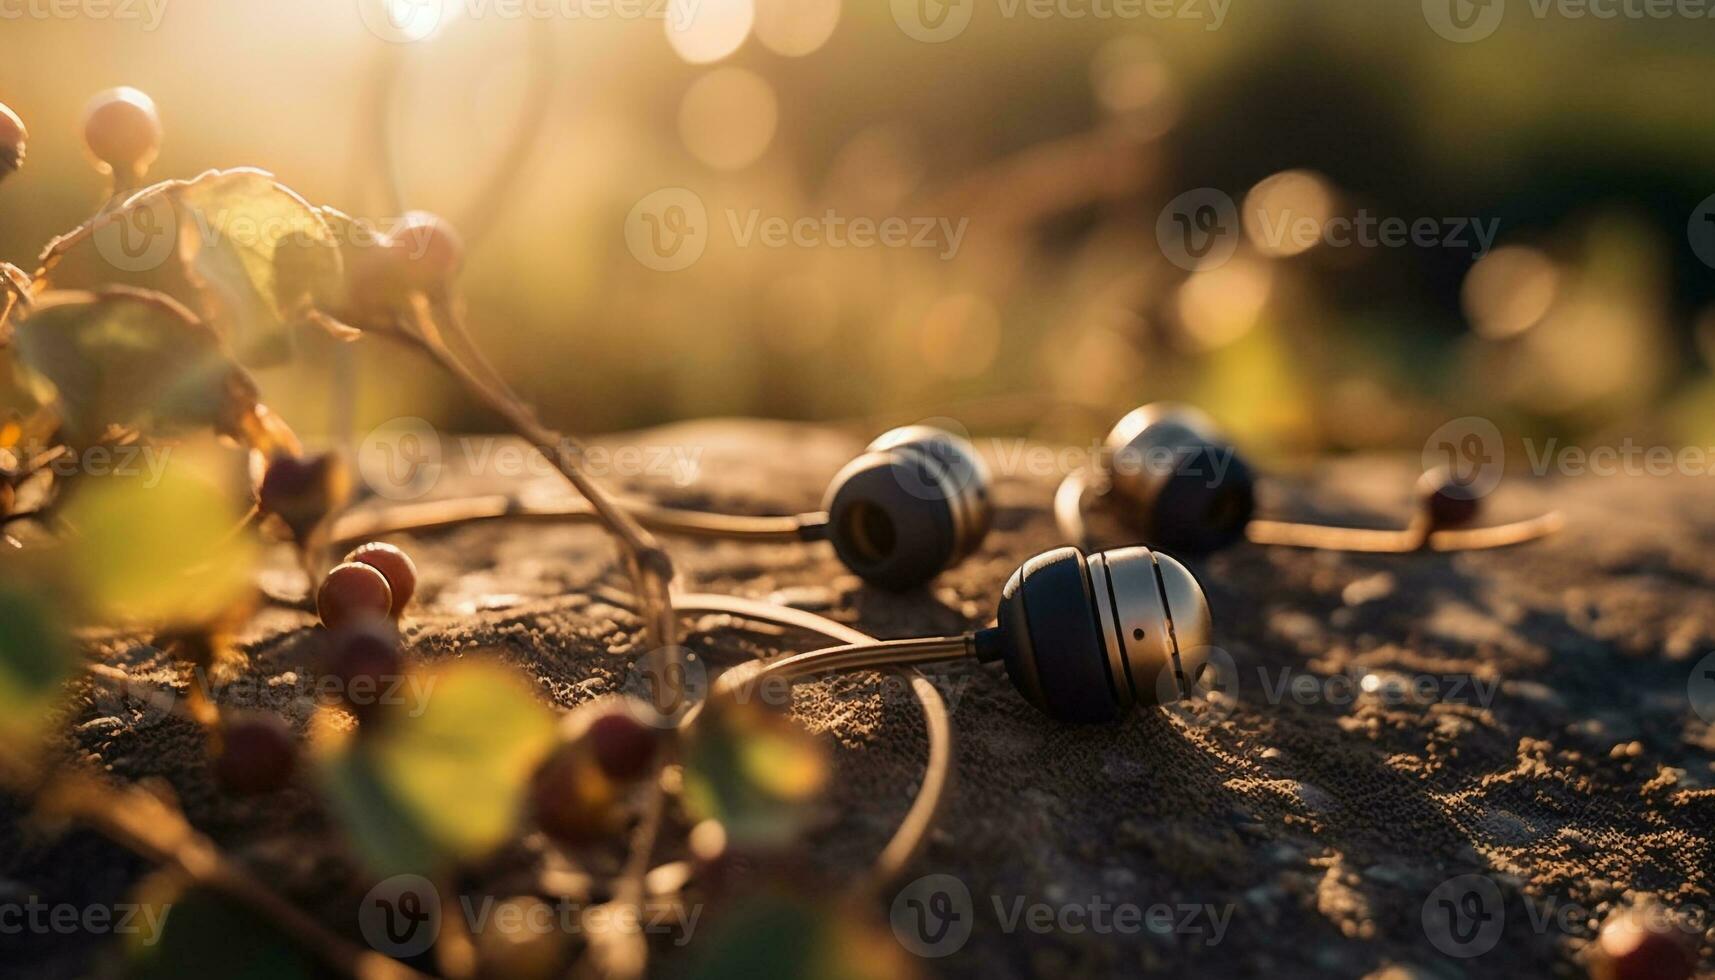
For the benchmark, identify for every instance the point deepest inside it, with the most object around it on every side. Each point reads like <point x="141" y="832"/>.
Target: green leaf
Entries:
<point x="179" y="932"/>
<point x="266" y="254"/>
<point x="751" y="769"/>
<point x="445" y="783"/>
<point x="130" y="358"/>
<point x="36" y="658"/>
<point x="157" y="542"/>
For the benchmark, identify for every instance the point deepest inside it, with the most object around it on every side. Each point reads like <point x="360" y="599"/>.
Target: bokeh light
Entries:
<point x="704" y="31"/>
<point x="1286" y="214"/>
<point x="1509" y="291"/>
<point x="728" y="117"/>
<point x="795" y="28"/>
<point x="1218" y="306"/>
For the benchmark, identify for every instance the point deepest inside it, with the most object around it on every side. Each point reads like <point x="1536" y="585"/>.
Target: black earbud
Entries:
<point x="1177" y="481"/>
<point x="1086" y="638"/>
<point x="914" y="504"/>
<point x="1170" y="476"/>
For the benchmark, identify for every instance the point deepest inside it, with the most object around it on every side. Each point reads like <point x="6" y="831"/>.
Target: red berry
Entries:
<point x="302" y="490"/>
<point x="1627" y="950"/>
<point x="351" y="592"/>
<point x="1449" y="503"/>
<point x="363" y="658"/>
<point x="395" y="565"/>
<point x="12" y="139"/>
<point x="572" y="799"/>
<point x="257" y="753"/>
<point x="428" y="249"/>
<point x="624" y="747"/>
<point x="122" y="129"/>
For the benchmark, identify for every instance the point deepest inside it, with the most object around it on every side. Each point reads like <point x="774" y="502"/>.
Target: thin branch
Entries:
<point x="650" y="568"/>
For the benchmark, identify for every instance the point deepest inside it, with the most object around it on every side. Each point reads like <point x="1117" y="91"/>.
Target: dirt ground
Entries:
<point x="1530" y="717"/>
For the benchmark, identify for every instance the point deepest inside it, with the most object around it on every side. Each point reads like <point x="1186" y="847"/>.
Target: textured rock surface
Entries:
<point x="1397" y="721"/>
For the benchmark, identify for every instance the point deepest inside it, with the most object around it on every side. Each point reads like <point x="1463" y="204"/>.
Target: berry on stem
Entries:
<point x="123" y="131"/>
<point x="394" y="565"/>
<point x="1445" y="501"/>
<point x="351" y="592"/>
<point x="572" y="799"/>
<point x="624" y="747"/>
<point x="302" y="490"/>
<point x="363" y="658"/>
<point x="256" y="754"/>
<point x="13" y="136"/>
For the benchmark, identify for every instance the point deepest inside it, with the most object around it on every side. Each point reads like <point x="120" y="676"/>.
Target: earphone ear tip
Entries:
<point x="1182" y="485"/>
<point x="912" y="505"/>
<point x="1206" y="503"/>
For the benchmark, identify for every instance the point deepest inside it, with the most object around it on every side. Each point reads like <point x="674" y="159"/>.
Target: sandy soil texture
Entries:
<point x="1530" y="717"/>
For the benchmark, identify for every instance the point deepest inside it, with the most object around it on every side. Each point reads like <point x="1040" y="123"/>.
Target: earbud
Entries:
<point x="1170" y="476"/>
<point x="1178" y="482"/>
<point x="914" y="504"/>
<point x="1084" y="639"/>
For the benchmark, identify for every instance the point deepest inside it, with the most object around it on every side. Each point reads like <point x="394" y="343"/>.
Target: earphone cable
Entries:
<point x="913" y="831"/>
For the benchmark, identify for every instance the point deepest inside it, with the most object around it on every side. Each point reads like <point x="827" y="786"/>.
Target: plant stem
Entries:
<point x="650" y="568"/>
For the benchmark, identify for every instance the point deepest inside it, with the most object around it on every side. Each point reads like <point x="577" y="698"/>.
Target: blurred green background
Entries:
<point x="1060" y="139"/>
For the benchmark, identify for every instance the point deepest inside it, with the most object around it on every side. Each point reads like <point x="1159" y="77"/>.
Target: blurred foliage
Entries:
<point x="443" y="784"/>
<point x="1060" y="140"/>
